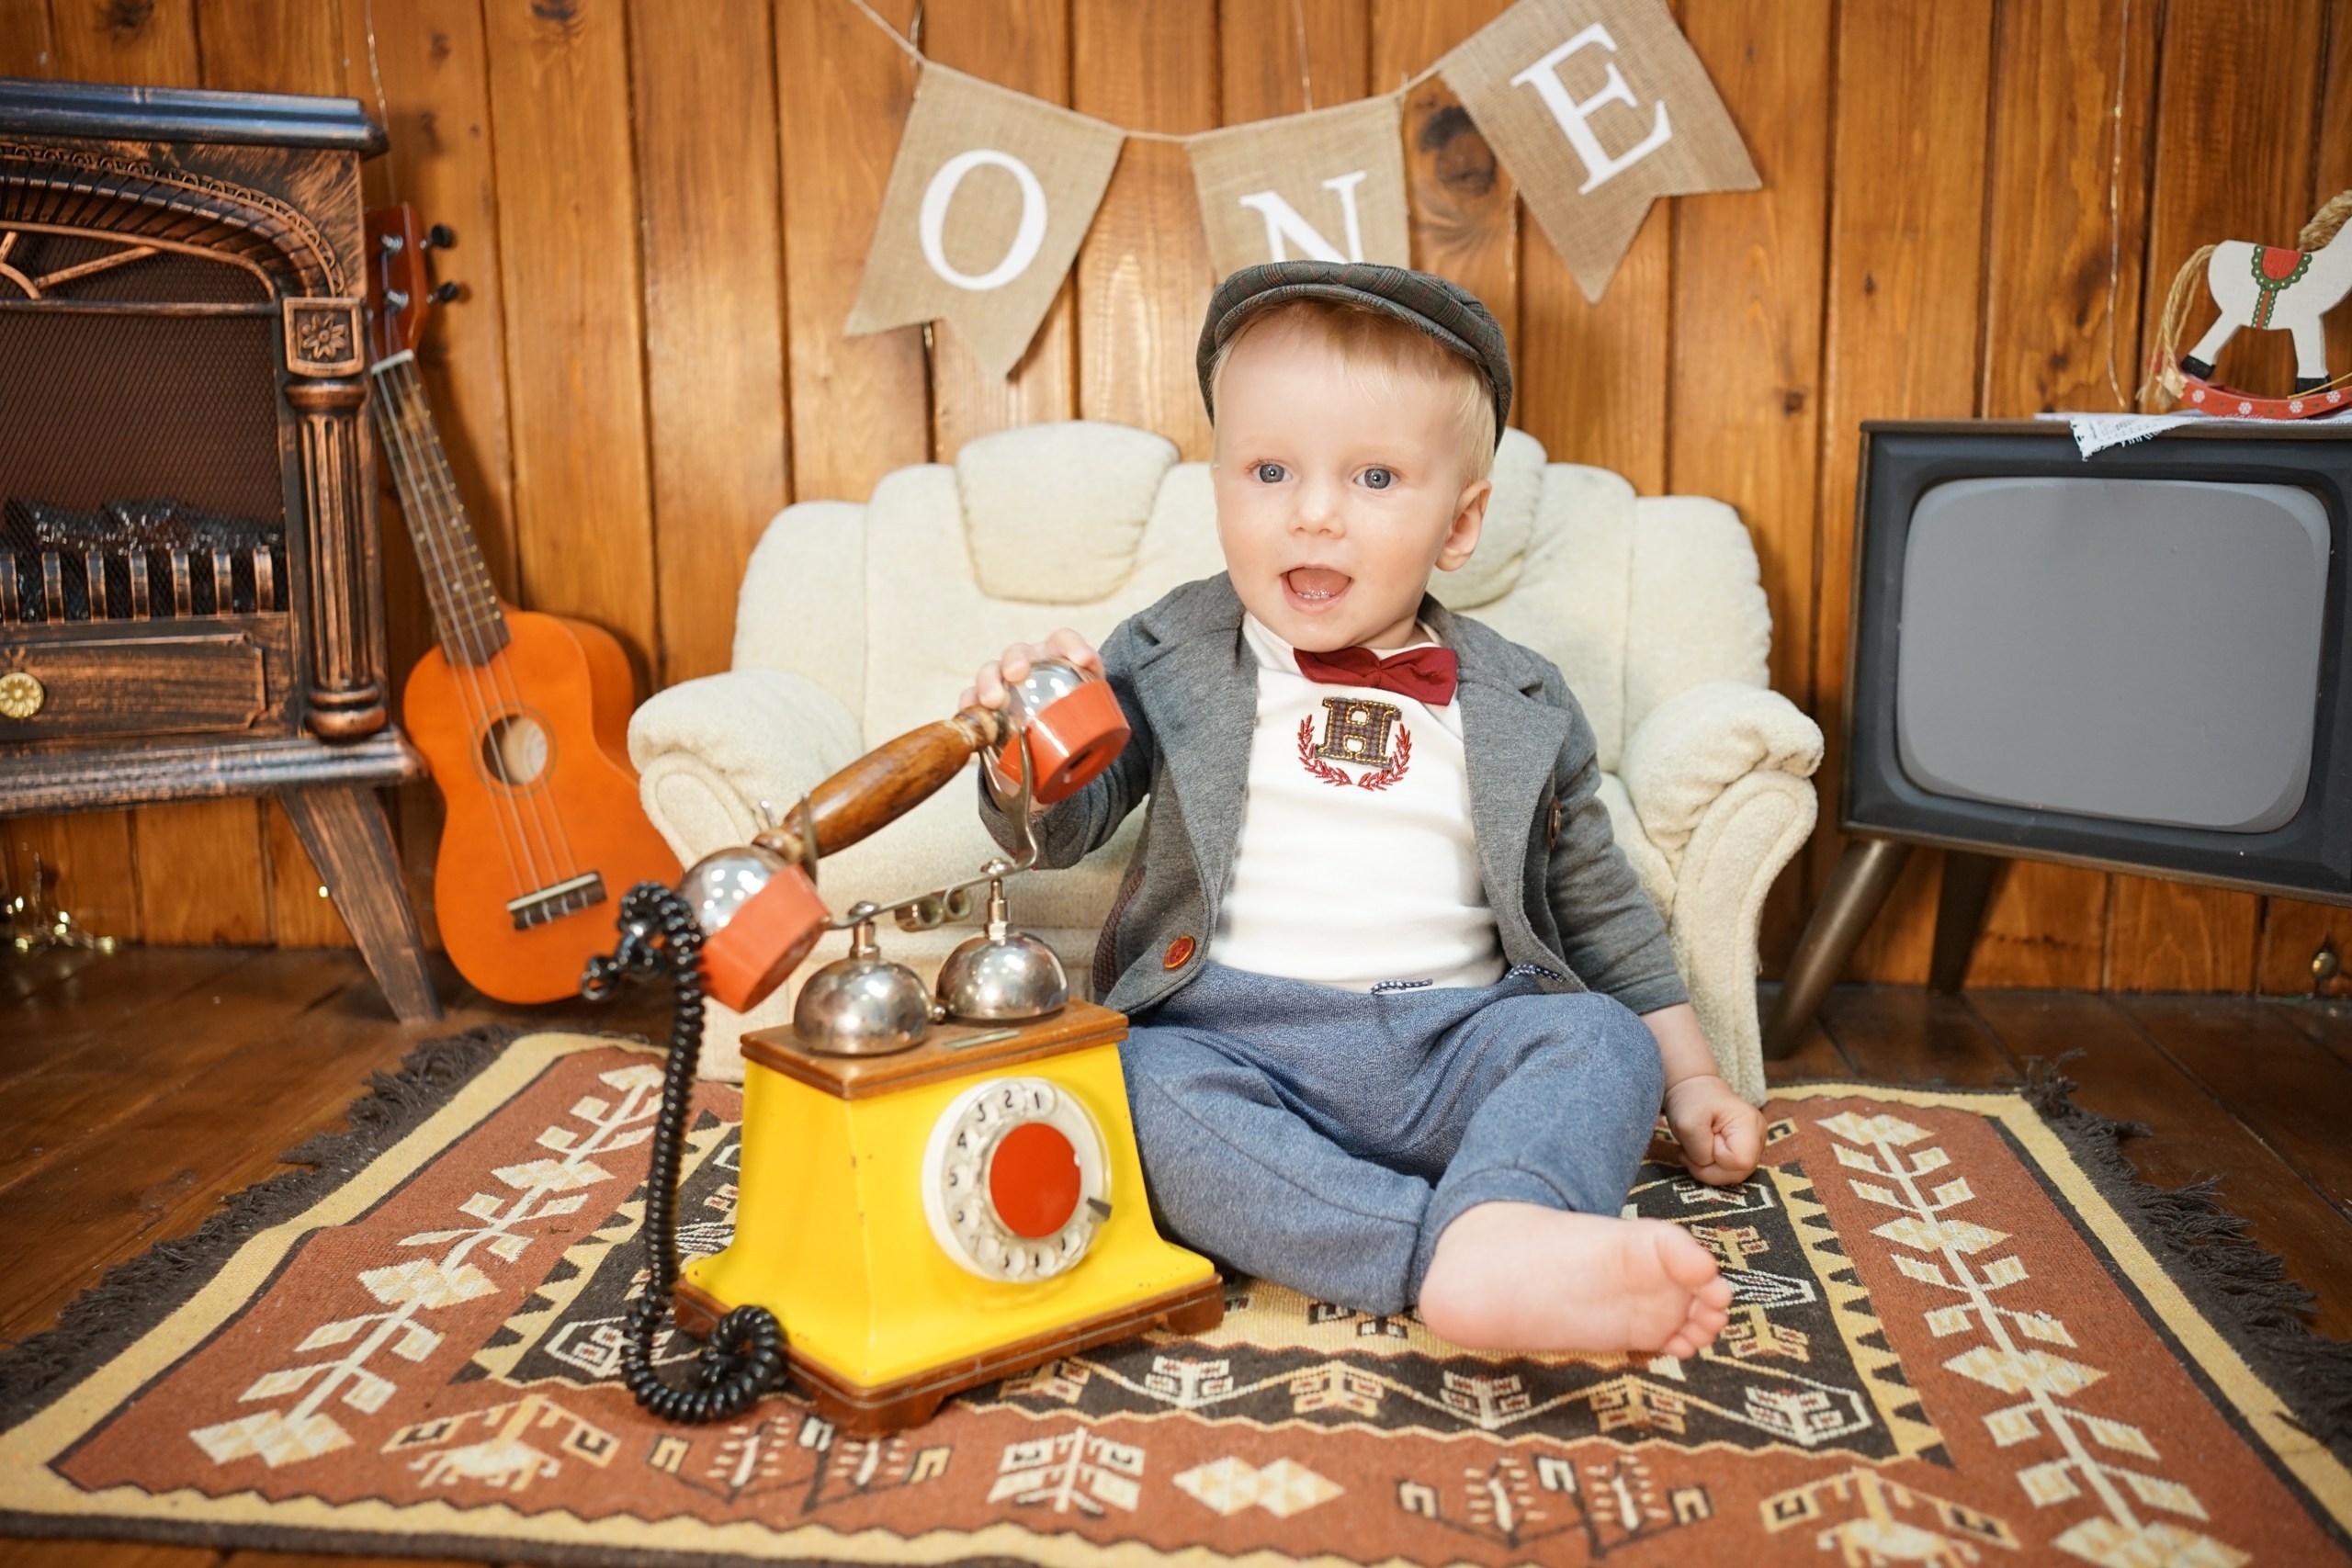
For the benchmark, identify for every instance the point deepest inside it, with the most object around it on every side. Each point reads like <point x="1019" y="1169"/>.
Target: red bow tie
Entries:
<point x="1424" y="675"/>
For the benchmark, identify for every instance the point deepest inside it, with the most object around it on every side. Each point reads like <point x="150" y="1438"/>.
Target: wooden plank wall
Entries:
<point x="647" y="361"/>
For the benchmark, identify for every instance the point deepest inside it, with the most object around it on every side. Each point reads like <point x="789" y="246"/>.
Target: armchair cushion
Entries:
<point x="707" y="752"/>
<point x="1694" y="604"/>
<point x="1751" y="830"/>
<point x="1054" y="512"/>
<point x="1500" y="561"/>
<point x="802" y="607"/>
<point x="1697" y="743"/>
<point x="1569" y="597"/>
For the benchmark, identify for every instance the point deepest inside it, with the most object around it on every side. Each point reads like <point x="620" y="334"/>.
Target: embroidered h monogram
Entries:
<point x="1356" y="730"/>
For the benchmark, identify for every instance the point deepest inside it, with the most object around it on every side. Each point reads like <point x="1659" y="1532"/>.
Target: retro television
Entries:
<point x="2136" y="661"/>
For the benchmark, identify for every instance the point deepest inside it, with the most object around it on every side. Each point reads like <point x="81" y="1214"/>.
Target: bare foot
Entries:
<point x="1520" y="1277"/>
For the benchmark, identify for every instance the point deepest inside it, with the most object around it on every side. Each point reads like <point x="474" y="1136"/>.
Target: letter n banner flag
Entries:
<point x="991" y="192"/>
<point x="1597" y="108"/>
<point x="1327" y="186"/>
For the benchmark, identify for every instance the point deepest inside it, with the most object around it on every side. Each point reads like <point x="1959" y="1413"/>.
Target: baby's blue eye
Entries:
<point x="1378" y="479"/>
<point x="1271" y="473"/>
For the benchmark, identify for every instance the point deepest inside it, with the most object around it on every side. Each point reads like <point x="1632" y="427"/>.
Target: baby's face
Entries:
<point x="1335" y="498"/>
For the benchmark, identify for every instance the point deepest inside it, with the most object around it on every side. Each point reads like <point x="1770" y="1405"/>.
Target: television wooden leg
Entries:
<point x="342" y="826"/>
<point x="1968" y="883"/>
<point x="1858" y="887"/>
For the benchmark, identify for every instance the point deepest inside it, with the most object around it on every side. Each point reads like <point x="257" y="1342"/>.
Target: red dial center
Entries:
<point x="1034" y="1180"/>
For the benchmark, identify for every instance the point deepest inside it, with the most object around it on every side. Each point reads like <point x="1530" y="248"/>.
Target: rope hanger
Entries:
<point x="913" y="51"/>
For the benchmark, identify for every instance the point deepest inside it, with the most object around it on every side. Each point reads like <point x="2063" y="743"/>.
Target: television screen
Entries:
<point x="2144" y="649"/>
<point x="2137" y="660"/>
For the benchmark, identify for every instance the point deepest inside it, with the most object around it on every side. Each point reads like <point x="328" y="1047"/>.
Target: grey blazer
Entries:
<point x="1564" y="896"/>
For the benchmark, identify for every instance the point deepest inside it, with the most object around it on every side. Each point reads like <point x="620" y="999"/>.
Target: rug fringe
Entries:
<point x="136" y="1295"/>
<point x="2242" y="1284"/>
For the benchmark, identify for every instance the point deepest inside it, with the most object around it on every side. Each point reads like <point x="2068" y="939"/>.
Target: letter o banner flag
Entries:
<point x="989" y="196"/>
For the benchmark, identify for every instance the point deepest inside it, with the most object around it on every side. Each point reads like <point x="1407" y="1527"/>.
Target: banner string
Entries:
<point x="1305" y="77"/>
<point x="914" y="52"/>
<point x="383" y="110"/>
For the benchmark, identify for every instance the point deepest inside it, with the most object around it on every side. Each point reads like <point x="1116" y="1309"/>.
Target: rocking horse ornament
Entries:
<point x="2271" y="288"/>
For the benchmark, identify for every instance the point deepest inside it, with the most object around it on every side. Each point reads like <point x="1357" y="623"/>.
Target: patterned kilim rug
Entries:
<point x="1960" y="1335"/>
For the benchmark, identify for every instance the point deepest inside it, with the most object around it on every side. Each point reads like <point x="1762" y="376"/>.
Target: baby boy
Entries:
<point x="1403" y="1016"/>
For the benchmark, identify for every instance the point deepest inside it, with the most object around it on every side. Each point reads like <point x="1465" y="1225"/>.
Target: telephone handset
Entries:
<point x="850" y="1164"/>
<point x="758" y="905"/>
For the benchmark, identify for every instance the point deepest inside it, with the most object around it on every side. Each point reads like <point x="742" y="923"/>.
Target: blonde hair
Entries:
<point x="1377" y="350"/>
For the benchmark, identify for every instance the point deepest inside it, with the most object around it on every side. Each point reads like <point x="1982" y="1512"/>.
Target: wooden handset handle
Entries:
<point x="886" y="782"/>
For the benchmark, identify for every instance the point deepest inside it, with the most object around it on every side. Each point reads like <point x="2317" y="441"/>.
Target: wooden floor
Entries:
<point x="142" y="1088"/>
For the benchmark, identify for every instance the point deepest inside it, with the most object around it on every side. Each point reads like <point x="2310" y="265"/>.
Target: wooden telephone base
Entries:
<point x="861" y="1412"/>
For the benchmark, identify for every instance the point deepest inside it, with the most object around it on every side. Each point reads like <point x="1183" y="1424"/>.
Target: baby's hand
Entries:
<point x="1012" y="666"/>
<point x="1722" y="1135"/>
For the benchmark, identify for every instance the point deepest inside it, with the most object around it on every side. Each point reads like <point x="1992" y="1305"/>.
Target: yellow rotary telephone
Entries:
<point x="936" y="1190"/>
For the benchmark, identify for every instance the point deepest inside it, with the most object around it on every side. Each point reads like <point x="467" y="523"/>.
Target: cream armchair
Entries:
<point x="856" y="622"/>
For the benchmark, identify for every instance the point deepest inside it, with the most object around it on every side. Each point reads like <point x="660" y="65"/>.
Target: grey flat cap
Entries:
<point x="1445" y="310"/>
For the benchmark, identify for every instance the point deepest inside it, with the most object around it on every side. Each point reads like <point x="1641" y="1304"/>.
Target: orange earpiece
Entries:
<point x="1073" y="728"/>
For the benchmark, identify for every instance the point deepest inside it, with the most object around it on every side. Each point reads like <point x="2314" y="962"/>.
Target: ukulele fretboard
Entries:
<point x="466" y="615"/>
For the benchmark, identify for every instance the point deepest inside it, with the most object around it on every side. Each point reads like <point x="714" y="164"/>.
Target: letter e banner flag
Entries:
<point x="991" y="192"/>
<point x="1327" y="185"/>
<point x="1598" y="107"/>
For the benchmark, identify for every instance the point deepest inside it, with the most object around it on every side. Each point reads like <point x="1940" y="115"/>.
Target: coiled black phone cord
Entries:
<point x="745" y="1355"/>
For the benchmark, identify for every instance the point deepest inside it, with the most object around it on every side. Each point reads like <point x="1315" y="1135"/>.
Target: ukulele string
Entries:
<point x="458" y="648"/>
<point x="483" y="659"/>
<point x="540" y="799"/>
<point x="461" y="651"/>
<point x="536" y="801"/>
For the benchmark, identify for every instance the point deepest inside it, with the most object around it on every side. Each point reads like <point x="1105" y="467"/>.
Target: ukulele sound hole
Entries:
<point x="515" y="750"/>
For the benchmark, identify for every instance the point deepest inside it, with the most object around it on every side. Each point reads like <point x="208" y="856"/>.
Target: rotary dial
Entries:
<point x="1016" y="1179"/>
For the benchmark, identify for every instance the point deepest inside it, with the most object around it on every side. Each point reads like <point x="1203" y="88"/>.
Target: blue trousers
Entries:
<point x="1324" y="1139"/>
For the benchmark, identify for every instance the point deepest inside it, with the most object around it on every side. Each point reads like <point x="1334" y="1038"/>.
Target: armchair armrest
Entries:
<point x="1700" y="741"/>
<point x="708" y="751"/>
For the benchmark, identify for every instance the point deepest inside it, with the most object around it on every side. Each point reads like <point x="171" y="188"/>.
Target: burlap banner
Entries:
<point x="1327" y="185"/>
<point x="991" y="192"/>
<point x="1598" y="107"/>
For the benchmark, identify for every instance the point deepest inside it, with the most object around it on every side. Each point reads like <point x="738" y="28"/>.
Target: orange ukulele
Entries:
<point x="524" y="717"/>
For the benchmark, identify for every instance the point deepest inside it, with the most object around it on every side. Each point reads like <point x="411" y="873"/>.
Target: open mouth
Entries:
<point x="1312" y="587"/>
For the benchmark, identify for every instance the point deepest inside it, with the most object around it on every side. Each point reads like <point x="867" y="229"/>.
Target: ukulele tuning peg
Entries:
<point x="444" y="293"/>
<point x="440" y="237"/>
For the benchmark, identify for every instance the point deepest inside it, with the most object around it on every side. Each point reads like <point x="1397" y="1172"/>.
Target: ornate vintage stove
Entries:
<point x="190" y="601"/>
